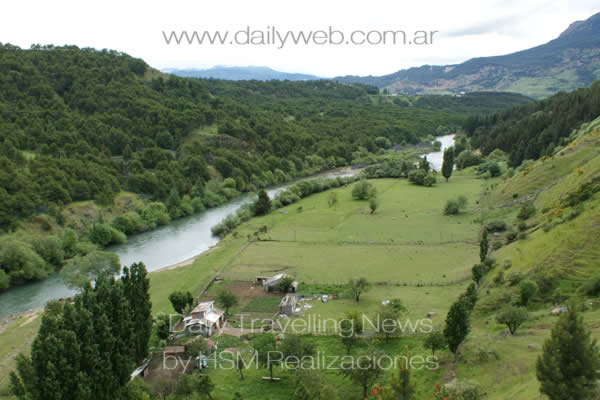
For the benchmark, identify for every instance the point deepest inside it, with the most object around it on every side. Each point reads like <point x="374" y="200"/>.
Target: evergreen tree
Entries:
<point x="569" y="367"/>
<point x="483" y="246"/>
<point x="424" y="164"/>
<point x="458" y="325"/>
<point x="262" y="206"/>
<point x="402" y="386"/>
<point x="136" y="289"/>
<point x="448" y="163"/>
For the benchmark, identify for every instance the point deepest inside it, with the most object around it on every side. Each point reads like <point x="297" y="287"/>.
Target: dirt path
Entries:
<point x="237" y="332"/>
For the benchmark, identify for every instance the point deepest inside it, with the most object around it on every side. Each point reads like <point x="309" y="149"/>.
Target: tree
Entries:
<point x="162" y="326"/>
<point x="512" y="317"/>
<point x="180" y="300"/>
<point x="262" y="206"/>
<point x="263" y="345"/>
<point x="358" y="286"/>
<point x="311" y="384"/>
<point x="435" y="341"/>
<point x="448" y="163"/>
<point x="483" y="246"/>
<point x="387" y="318"/>
<point x="402" y="387"/>
<point x="80" y="270"/>
<point x="362" y="190"/>
<point x="188" y="385"/>
<point x="528" y="289"/>
<point x="478" y="272"/>
<point x="296" y="346"/>
<point x="350" y="327"/>
<point x="363" y="370"/>
<point x="136" y="288"/>
<point x="373" y="204"/>
<point x="285" y="283"/>
<point x="424" y="164"/>
<point x="226" y="299"/>
<point x="458" y="325"/>
<point x="332" y="199"/>
<point x="569" y="366"/>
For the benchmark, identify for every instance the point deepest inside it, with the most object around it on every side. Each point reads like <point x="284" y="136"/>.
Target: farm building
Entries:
<point x="204" y="319"/>
<point x="288" y="304"/>
<point x="271" y="284"/>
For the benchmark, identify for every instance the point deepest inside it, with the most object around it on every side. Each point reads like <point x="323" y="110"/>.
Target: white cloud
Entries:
<point x="468" y="28"/>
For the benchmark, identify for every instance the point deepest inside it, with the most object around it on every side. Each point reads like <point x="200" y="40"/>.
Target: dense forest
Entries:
<point x="536" y="129"/>
<point x="83" y="124"/>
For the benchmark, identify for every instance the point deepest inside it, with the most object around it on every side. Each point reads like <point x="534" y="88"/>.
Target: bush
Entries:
<point x="50" y="248"/>
<point x="522" y="226"/>
<point x="499" y="278"/>
<point x="467" y="159"/>
<point x="528" y="289"/>
<point x="454" y="207"/>
<point x="362" y="190"/>
<point x="100" y="234"/>
<point x="496" y="226"/>
<point x="514" y="278"/>
<point x="421" y="177"/>
<point x="129" y="223"/>
<point x="592" y="287"/>
<point x="527" y="211"/>
<point x="511" y="236"/>
<point x="491" y="167"/>
<point x="497" y="245"/>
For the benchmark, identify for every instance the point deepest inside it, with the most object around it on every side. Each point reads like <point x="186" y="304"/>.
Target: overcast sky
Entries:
<point x="467" y="28"/>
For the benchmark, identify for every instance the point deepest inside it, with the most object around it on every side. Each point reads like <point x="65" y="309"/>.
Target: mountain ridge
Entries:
<point x="259" y="73"/>
<point x="570" y="61"/>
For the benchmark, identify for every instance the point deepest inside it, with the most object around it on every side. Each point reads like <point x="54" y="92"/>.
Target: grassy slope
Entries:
<point x="569" y="251"/>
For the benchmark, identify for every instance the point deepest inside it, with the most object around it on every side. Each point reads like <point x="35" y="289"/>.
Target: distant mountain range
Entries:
<point x="568" y="62"/>
<point x="241" y="74"/>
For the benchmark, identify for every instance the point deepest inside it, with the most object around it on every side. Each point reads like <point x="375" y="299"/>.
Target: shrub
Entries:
<point x="528" y="289"/>
<point x="511" y="236"/>
<point x="100" y="234"/>
<point x="514" y="278"/>
<point x="499" y="278"/>
<point x="497" y="245"/>
<point x="522" y="235"/>
<point x="491" y="167"/>
<point x="454" y="207"/>
<point x="592" y="287"/>
<point x="522" y="226"/>
<point x="496" y="226"/>
<point x="451" y="208"/>
<point x="467" y="159"/>
<point x="527" y="211"/>
<point x="507" y="263"/>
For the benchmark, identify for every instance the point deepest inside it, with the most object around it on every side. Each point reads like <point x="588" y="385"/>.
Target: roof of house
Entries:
<point x="174" y="350"/>
<point x="274" y="279"/>
<point x="204" y="306"/>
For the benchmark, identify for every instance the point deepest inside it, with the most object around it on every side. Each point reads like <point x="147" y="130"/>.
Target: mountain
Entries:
<point x="241" y="74"/>
<point x="568" y="62"/>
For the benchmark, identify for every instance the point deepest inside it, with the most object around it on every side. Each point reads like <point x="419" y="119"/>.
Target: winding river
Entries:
<point x="178" y="241"/>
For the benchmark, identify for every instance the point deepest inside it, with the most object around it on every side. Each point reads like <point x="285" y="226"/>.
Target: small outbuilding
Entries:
<point x="288" y="304"/>
<point x="271" y="284"/>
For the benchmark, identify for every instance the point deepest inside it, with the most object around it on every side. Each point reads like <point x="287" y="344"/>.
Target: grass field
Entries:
<point x="407" y="240"/>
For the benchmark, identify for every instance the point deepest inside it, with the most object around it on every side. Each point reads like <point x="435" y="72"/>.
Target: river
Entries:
<point x="178" y="241"/>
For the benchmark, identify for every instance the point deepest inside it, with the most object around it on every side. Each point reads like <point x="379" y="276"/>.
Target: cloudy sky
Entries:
<point x="466" y="29"/>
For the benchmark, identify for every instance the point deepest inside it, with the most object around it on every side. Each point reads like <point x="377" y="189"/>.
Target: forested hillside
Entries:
<point x="135" y="147"/>
<point x="536" y="129"/>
